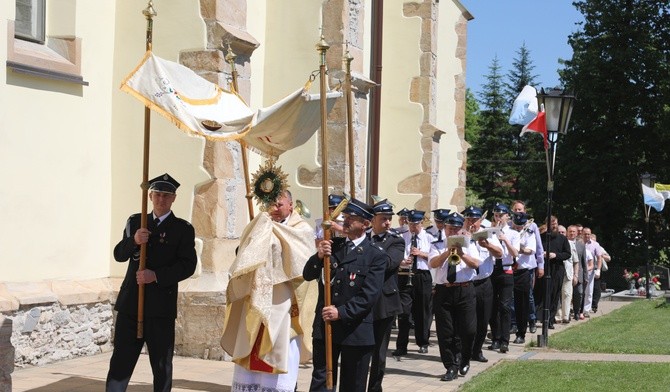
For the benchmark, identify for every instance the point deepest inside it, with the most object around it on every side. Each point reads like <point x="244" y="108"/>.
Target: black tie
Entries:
<point x="350" y="246"/>
<point x="439" y="235"/>
<point x="157" y="222"/>
<point x="451" y="273"/>
<point x="415" y="258"/>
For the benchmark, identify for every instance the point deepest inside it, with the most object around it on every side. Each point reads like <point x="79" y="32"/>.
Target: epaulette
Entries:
<point x="529" y="231"/>
<point x="394" y="233"/>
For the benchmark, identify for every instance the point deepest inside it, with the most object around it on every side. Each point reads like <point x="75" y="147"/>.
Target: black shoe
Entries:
<point x="399" y="353"/>
<point x="423" y="350"/>
<point x="513" y="330"/>
<point x="519" y="340"/>
<point x="531" y="327"/>
<point x="480" y="358"/>
<point x="450" y="375"/>
<point x="504" y="348"/>
<point x="464" y="369"/>
<point x="551" y="326"/>
<point x="595" y="310"/>
<point x="495" y="345"/>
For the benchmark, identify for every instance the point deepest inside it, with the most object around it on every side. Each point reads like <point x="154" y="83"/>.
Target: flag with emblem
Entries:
<point x="202" y="108"/>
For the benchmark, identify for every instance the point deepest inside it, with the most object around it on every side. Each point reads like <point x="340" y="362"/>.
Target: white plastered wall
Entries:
<point x="55" y="158"/>
<point x="178" y="26"/>
<point x="448" y="67"/>
<point x="400" y="148"/>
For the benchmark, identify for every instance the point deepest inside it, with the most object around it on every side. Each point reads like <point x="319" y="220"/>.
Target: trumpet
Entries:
<point x="454" y="258"/>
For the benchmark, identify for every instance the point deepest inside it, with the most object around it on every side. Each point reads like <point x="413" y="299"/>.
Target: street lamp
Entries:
<point x="648" y="180"/>
<point x="557" y="106"/>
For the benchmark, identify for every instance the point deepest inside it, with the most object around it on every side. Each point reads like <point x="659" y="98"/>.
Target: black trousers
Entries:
<point x="501" y="317"/>
<point x="159" y="337"/>
<point x="382" y="329"/>
<point x="557" y="276"/>
<point x="353" y="366"/>
<point x="417" y="300"/>
<point x="522" y="285"/>
<point x="577" y="301"/>
<point x="483" y="308"/>
<point x="455" y="315"/>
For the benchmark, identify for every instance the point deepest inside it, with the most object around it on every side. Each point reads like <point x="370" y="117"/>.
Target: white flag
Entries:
<point x="654" y="198"/>
<point x="191" y="102"/>
<point x="525" y="107"/>
<point x="202" y="108"/>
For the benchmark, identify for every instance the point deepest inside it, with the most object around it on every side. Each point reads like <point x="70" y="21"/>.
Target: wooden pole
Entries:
<point x="322" y="47"/>
<point x="350" y="126"/>
<point x="230" y="58"/>
<point x="149" y="14"/>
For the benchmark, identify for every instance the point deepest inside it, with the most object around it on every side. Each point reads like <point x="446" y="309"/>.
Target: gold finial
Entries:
<point x="149" y="12"/>
<point x="322" y="45"/>
<point x="348" y="58"/>
<point x="230" y="55"/>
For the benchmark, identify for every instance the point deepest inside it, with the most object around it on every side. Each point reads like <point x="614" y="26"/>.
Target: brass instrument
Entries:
<point x="302" y="209"/>
<point x="454" y="258"/>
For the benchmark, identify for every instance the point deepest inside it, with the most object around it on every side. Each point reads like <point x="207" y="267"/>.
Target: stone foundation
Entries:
<point x="6" y="354"/>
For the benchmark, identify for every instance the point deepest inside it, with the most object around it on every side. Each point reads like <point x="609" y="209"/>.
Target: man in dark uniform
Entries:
<point x="455" y="301"/>
<point x="356" y="283"/>
<point x="415" y="292"/>
<point x="170" y="258"/>
<point x="558" y="250"/>
<point x="389" y="304"/>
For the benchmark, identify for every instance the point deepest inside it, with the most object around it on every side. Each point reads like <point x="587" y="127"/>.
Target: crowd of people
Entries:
<point x="467" y="274"/>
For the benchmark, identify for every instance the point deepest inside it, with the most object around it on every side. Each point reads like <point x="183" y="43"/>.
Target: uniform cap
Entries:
<point x="358" y="208"/>
<point x="415" y="216"/>
<point x="164" y="184"/>
<point x="519" y="218"/>
<point x="500" y="207"/>
<point x="334" y="200"/>
<point x="472" y="212"/>
<point x="440" y="214"/>
<point x="383" y="207"/>
<point x="454" y="219"/>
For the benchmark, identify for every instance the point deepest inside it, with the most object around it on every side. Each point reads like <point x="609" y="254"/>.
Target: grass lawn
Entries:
<point x="642" y="327"/>
<point x="547" y="376"/>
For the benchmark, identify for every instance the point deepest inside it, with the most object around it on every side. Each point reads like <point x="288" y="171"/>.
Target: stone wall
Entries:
<point x="54" y="332"/>
<point x="6" y="354"/>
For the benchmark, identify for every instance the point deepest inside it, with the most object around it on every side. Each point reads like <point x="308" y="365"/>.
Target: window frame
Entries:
<point x="37" y="21"/>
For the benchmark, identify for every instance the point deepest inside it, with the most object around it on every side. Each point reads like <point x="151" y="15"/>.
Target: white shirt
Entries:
<point x="423" y="242"/>
<point x="513" y="237"/>
<point x="487" y="260"/>
<point x="463" y="272"/>
<point x="527" y="240"/>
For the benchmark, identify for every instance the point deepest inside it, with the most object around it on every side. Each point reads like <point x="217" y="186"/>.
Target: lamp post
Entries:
<point x="558" y="108"/>
<point x="646" y="179"/>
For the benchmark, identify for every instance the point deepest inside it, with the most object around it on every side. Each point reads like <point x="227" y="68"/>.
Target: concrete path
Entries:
<point x="416" y="372"/>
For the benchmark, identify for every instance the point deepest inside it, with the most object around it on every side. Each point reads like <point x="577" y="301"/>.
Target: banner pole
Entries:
<point x="322" y="48"/>
<point x="350" y="126"/>
<point x="230" y="58"/>
<point x="149" y="13"/>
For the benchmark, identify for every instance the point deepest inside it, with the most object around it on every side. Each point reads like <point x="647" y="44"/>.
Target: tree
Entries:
<point x="472" y="126"/>
<point x="620" y="72"/>
<point x="528" y="151"/>
<point x="491" y="170"/>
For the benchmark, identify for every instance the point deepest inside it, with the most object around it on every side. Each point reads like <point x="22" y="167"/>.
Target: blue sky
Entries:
<point x="500" y="27"/>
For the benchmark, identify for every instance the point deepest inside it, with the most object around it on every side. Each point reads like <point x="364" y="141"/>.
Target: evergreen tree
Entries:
<point x="528" y="150"/>
<point x="491" y="170"/>
<point x="620" y="72"/>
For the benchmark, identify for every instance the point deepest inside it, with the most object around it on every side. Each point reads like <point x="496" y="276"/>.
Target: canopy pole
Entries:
<point x="350" y="126"/>
<point x="322" y="47"/>
<point x="230" y="58"/>
<point x="149" y="13"/>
